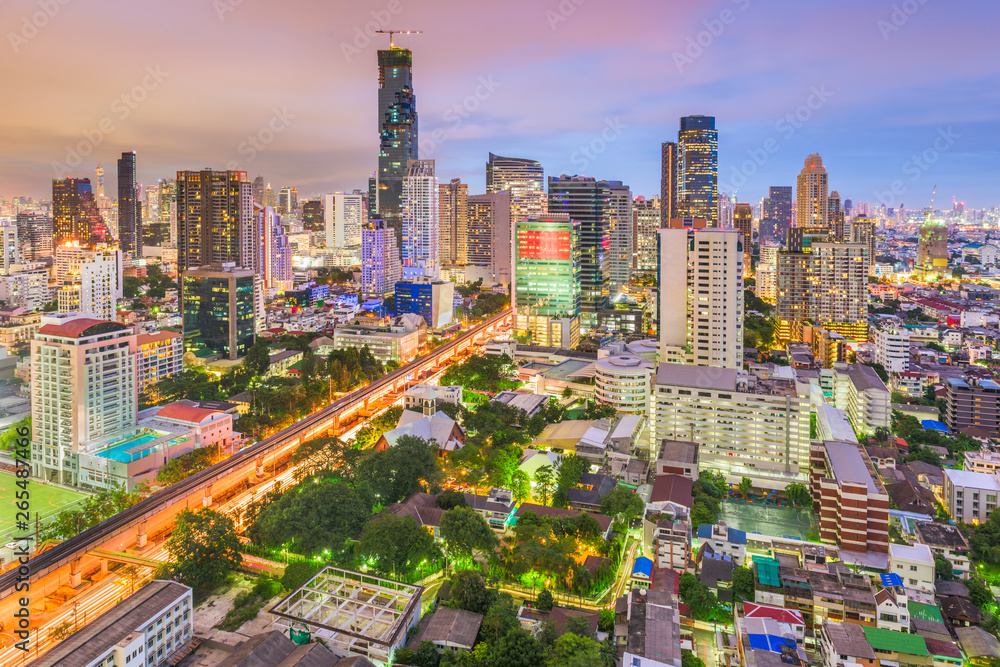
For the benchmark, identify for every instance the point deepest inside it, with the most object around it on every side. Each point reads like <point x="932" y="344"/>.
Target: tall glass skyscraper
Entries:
<point x="129" y="208"/>
<point x="698" y="169"/>
<point x="397" y="129"/>
<point x="215" y="221"/>
<point x="777" y="213"/>
<point x="587" y="201"/>
<point x="75" y="216"/>
<point x="525" y="181"/>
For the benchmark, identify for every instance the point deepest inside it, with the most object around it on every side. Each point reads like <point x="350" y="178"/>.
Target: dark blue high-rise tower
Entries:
<point x="397" y="128"/>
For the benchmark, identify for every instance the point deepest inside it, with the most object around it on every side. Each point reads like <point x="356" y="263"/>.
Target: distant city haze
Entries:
<point x="885" y="92"/>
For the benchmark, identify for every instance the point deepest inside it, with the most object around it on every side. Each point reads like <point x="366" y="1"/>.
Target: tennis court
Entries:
<point x="45" y="501"/>
<point x="767" y="519"/>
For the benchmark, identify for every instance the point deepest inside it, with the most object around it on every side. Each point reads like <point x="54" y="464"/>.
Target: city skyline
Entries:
<point x="868" y="72"/>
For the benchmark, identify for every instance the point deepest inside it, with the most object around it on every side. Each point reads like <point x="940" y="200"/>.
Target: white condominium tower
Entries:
<point x="701" y="297"/>
<point x="420" y="247"/>
<point x="83" y="390"/>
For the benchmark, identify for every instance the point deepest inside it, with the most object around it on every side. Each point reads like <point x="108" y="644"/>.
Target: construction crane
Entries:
<point x="398" y="32"/>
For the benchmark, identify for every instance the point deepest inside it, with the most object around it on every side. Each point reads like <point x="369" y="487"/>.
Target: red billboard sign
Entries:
<point x="544" y="245"/>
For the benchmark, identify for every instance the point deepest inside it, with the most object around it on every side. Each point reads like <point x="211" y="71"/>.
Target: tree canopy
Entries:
<point x="205" y="547"/>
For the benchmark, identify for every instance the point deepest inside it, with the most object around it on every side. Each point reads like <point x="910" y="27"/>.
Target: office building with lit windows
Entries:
<point x="547" y="275"/>
<point x="587" y="201"/>
<point x="645" y="221"/>
<point x="812" y="199"/>
<point x="621" y="233"/>
<point x="215" y="220"/>
<point x="75" y="216"/>
<point x="489" y="238"/>
<point x="453" y="222"/>
<point x="397" y="130"/>
<point x="698" y="169"/>
<point x="430" y="299"/>
<point x="524" y="179"/>
<point x="218" y="310"/>
<point x="129" y="207"/>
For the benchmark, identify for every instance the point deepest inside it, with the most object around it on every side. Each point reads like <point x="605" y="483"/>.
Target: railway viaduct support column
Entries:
<point x="140" y="536"/>
<point x="259" y="470"/>
<point x="75" y="574"/>
<point x="206" y="499"/>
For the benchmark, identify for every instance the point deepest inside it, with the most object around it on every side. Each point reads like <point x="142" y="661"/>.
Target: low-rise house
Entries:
<point x="647" y="624"/>
<point x="948" y="542"/>
<point x="980" y="647"/>
<point x="960" y="612"/>
<point x="898" y="647"/>
<point x="439" y="428"/>
<point x="914" y="565"/>
<point x="673" y="544"/>
<point x="282" y="361"/>
<point x="677" y="457"/>
<point x="725" y="540"/>
<point x="892" y="610"/>
<point x="845" y="645"/>
<point x="532" y="404"/>
<point x="792" y="618"/>
<point x="642" y="573"/>
<point x="671" y="494"/>
<point x="497" y="507"/>
<point x="560" y="513"/>
<point x="426" y="398"/>
<point x="715" y="571"/>
<point x="453" y="629"/>
<point x="590" y="492"/>
<point x="911" y="497"/>
<point x="944" y="653"/>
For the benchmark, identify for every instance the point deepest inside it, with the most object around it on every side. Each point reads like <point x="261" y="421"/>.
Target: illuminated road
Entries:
<point x="103" y="595"/>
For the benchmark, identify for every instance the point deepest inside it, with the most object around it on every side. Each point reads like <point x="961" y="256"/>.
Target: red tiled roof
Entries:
<point x="73" y="328"/>
<point x="752" y="610"/>
<point x="143" y="339"/>
<point x="185" y="413"/>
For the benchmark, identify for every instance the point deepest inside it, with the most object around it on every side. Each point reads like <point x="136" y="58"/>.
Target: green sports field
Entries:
<point x="45" y="501"/>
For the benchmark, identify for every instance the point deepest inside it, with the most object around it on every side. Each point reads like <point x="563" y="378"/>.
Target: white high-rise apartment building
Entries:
<point x="276" y="263"/>
<point x="343" y="217"/>
<point x="646" y="221"/>
<point x="622" y="237"/>
<point x="421" y="243"/>
<point x="702" y="324"/>
<point x="379" y="260"/>
<point x="10" y="249"/>
<point x="83" y="391"/>
<point x="892" y="349"/>
<point x="92" y="283"/>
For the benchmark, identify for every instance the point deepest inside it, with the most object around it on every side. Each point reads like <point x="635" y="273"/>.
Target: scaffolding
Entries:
<point x="352" y="612"/>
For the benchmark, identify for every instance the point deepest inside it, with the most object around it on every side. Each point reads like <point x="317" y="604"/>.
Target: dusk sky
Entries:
<point x="541" y="79"/>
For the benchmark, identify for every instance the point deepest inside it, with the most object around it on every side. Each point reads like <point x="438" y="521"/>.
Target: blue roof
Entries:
<point x="936" y="425"/>
<point x="643" y="566"/>
<point x="772" y="643"/>
<point x="891" y="579"/>
<point x="734" y="536"/>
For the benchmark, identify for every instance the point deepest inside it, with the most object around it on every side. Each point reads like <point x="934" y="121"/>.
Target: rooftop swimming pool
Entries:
<point x="131" y="449"/>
